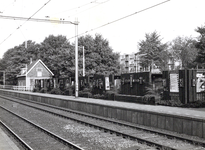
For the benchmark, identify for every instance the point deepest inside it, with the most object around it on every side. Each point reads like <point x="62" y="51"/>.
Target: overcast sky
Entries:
<point x="170" y="19"/>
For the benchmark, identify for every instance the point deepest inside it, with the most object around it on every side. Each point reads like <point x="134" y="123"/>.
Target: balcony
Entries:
<point x="126" y="65"/>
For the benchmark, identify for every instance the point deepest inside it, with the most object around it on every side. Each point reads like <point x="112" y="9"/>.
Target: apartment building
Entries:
<point x="130" y="63"/>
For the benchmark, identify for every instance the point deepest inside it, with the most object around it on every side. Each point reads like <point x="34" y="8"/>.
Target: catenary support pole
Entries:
<point x="76" y="58"/>
<point x="4" y="78"/>
<point x="83" y="61"/>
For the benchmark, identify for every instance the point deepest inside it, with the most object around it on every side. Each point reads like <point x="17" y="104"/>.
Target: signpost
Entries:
<point x="174" y="82"/>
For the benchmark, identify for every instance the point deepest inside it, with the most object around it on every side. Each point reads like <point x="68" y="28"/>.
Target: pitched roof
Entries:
<point x="32" y="65"/>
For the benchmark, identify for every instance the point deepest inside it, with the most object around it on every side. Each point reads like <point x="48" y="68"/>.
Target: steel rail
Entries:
<point x="105" y="129"/>
<point x="60" y="139"/>
<point x="170" y="135"/>
<point x="17" y="138"/>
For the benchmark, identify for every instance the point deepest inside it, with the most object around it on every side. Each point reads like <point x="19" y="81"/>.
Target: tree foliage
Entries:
<point x="16" y="58"/>
<point x="59" y="55"/>
<point x="99" y="56"/>
<point x="183" y="50"/>
<point x="152" y="51"/>
<point x="200" y="45"/>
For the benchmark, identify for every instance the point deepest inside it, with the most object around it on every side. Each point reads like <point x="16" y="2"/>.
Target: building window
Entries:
<point x="39" y="72"/>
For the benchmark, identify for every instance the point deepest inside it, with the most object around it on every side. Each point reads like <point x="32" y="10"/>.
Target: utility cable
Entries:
<point x="7" y="6"/>
<point x="89" y="8"/>
<point x="25" y="22"/>
<point x="30" y="18"/>
<point x="121" y="18"/>
<point x="75" y="8"/>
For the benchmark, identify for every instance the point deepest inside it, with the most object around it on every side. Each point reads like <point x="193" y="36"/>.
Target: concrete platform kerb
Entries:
<point x="181" y="120"/>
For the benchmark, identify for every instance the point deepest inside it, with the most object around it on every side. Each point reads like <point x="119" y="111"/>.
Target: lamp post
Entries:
<point x="76" y="58"/>
<point x="83" y="62"/>
<point x="76" y="63"/>
<point x="4" y="80"/>
<point x="83" y="59"/>
<point x="76" y="66"/>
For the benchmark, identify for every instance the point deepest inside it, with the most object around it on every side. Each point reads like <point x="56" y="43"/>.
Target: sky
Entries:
<point x="123" y="23"/>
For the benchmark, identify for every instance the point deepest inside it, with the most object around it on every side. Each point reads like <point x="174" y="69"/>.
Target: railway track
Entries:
<point x="21" y="143"/>
<point x="160" y="140"/>
<point x="34" y="135"/>
<point x="85" y="136"/>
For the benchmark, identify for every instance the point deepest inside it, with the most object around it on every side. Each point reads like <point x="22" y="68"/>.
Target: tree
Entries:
<point x="200" y="45"/>
<point x="99" y="56"/>
<point x="58" y="54"/>
<point x="153" y="51"/>
<point x="1" y="73"/>
<point x="2" y="66"/>
<point x="16" y="58"/>
<point x="184" y="51"/>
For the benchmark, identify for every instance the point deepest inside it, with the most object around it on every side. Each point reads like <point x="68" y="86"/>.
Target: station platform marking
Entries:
<point x="6" y="143"/>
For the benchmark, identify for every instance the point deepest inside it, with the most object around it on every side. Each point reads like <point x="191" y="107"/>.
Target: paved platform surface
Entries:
<point x="198" y="113"/>
<point x="6" y="143"/>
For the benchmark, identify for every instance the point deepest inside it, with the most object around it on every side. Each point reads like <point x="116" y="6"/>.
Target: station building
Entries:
<point x="35" y="70"/>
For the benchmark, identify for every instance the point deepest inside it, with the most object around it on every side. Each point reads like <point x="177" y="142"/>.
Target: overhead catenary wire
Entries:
<point x="75" y="8"/>
<point x="2" y="11"/>
<point x="88" y="8"/>
<point x="45" y="20"/>
<point x="121" y="18"/>
<point x="25" y="21"/>
<point x="33" y="19"/>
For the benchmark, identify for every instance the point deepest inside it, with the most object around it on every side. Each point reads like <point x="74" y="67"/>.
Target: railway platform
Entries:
<point x="6" y="143"/>
<point x="181" y="120"/>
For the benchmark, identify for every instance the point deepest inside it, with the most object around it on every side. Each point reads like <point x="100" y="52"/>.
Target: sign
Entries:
<point x="107" y="83"/>
<point x="200" y="83"/>
<point x="131" y="80"/>
<point x="174" y="83"/>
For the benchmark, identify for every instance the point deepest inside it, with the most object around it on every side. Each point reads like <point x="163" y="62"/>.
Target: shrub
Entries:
<point x="195" y="104"/>
<point x="177" y="103"/>
<point x="43" y="90"/>
<point x="35" y="89"/>
<point x="56" y="91"/>
<point x="98" y="96"/>
<point x="85" y="94"/>
<point x="148" y="99"/>
<point x="128" y="98"/>
<point x="69" y="90"/>
<point x="87" y="90"/>
<point x="66" y="91"/>
<point x="110" y="95"/>
<point x="174" y="103"/>
<point x="151" y="96"/>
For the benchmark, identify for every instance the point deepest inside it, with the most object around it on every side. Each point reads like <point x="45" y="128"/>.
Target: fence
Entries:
<point x="9" y="87"/>
<point x="23" y="88"/>
<point x="184" y="85"/>
<point x="135" y="83"/>
<point x="200" y="96"/>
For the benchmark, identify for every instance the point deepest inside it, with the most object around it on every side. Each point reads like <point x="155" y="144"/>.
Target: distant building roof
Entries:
<point x="32" y="65"/>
